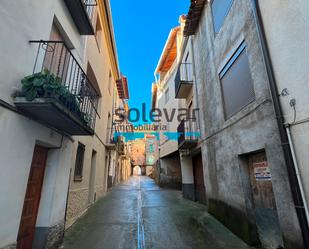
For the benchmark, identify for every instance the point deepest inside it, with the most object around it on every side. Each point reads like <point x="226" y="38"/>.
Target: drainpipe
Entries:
<point x="288" y="130"/>
<point x="291" y="169"/>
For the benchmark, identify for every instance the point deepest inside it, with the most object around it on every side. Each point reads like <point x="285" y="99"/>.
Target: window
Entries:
<point x="79" y="163"/>
<point x="56" y="59"/>
<point x="187" y="74"/>
<point x="93" y="80"/>
<point x="236" y="82"/>
<point x="151" y="149"/>
<point x="166" y="95"/>
<point x="109" y="129"/>
<point x="110" y="79"/>
<point x="187" y="58"/>
<point x="98" y="32"/>
<point x="220" y="9"/>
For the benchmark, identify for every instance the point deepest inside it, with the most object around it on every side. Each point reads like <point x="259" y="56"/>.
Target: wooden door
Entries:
<point x="265" y="210"/>
<point x="32" y="199"/>
<point x="260" y="177"/>
<point x="199" y="186"/>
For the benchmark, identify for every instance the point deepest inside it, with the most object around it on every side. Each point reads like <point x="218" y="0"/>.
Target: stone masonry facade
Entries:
<point x="77" y="205"/>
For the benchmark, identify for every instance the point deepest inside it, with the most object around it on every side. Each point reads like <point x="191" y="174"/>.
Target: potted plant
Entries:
<point x="47" y="85"/>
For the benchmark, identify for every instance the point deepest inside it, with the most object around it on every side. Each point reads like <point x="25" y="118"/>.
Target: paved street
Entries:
<point x="138" y="214"/>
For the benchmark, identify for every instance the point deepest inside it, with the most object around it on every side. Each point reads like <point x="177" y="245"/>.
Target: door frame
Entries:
<point x="91" y="195"/>
<point x="246" y="181"/>
<point x="194" y="165"/>
<point x="19" y="246"/>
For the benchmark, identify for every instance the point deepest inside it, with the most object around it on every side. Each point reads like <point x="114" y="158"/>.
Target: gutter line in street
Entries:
<point x="140" y="223"/>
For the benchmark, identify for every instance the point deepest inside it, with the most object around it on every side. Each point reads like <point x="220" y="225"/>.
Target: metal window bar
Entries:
<point x="58" y="59"/>
<point x="78" y="173"/>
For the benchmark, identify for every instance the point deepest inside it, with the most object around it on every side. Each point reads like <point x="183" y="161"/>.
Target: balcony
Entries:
<point x="187" y="138"/>
<point x="122" y="88"/>
<point x="111" y="143"/>
<point x="183" y="81"/>
<point x="58" y="92"/>
<point x="82" y="12"/>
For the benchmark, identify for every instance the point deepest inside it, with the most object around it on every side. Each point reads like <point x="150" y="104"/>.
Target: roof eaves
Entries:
<point x="193" y="17"/>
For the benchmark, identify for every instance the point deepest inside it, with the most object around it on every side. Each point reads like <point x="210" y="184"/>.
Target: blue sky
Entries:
<point x="141" y="29"/>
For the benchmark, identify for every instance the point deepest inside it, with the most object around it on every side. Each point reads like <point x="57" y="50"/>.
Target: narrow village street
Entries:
<point x="154" y="124"/>
<point x="138" y="214"/>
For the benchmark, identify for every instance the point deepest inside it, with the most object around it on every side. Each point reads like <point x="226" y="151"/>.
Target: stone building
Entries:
<point x="120" y="163"/>
<point x="287" y="51"/>
<point x="164" y="102"/>
<point x="138" y="154"/>
<point x="97" y="157"/>
<point x="180" y="151"/>
<point x="245" y="171"/>
<point x="119" y="159"/>
<point x="56" y="124"/>
<point x="112" y="164"/>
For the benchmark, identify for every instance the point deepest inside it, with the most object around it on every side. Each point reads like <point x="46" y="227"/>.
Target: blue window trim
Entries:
<point x="213" y="18"/>
<point x="231" y="61"/>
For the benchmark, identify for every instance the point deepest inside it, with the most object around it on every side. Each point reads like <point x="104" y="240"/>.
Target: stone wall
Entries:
<point x="138" y="155"/>
<point x="77" y="205"/>
<point x="48" y="237"/>
<point x="55" y="236"/>
<point x="250" y="130"/>
<point x="170" y="172"/>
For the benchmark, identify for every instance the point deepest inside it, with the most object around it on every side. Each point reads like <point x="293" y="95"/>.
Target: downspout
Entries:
<point x="288" y="130"/>
<point x="291" y="169"/>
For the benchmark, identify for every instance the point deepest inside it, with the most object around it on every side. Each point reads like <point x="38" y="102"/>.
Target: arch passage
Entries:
<point x="137" y="171"/>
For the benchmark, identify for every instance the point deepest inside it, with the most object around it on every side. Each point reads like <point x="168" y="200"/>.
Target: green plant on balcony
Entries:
<point x="47" y="85"/>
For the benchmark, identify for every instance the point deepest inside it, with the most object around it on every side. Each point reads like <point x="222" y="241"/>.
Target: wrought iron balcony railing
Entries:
<point x="183" y="80"/>
<point x="64" y="85"/>
<point x="83" y="13"/>
<point x="187" y="131"/>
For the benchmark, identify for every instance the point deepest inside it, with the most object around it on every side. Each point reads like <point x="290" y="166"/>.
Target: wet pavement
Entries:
<point x="138" y="214"/>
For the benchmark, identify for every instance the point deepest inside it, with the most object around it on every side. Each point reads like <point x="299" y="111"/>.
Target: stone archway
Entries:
<point x="137" y="171"/>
